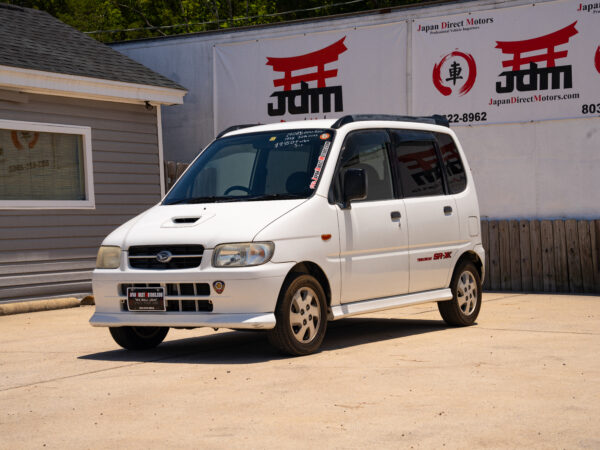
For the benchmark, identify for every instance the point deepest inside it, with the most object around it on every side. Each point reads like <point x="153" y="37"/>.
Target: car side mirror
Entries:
<point x="354" y="187"/>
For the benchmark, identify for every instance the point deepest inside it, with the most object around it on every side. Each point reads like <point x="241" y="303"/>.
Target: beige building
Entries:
<point x="80" y="150"/>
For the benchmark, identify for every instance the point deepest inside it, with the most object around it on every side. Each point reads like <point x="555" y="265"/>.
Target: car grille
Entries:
<point x="179" y="296"/>
<point x="181" y="256"/>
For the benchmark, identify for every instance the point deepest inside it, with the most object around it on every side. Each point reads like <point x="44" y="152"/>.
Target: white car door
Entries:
<point x="433" y="224"/>
<point x="373" y="231"/>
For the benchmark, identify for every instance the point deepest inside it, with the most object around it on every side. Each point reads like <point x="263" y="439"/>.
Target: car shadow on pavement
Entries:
<point x="251" y="347"/>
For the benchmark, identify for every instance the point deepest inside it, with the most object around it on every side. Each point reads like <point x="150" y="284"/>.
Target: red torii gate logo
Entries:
<point x="287" y="100"/>
<point x="534" y="77"/>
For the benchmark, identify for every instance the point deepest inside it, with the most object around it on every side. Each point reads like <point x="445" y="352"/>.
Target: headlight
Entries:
<point x="241" y="255"/>
<point x="108" y="258"/>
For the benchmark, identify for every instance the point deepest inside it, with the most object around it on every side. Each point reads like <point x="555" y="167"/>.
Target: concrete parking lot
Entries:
<point x="527" y="375"/>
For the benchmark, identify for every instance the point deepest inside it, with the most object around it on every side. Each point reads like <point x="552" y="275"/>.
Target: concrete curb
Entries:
<point x="39" y="305"/>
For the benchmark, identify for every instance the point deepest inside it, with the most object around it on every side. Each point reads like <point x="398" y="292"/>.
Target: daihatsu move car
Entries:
<point x="285" y="227"/>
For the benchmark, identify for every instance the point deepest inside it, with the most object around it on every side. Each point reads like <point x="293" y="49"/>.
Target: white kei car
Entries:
<point x="285" y="227"/>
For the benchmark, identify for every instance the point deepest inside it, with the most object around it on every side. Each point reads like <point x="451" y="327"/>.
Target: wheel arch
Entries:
<point x="313" y="269"/>
<point x="472" y="257"/>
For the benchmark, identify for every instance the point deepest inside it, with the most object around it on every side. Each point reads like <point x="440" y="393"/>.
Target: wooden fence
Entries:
<point x="542" y="256"/>
<point x="526" y="255"/>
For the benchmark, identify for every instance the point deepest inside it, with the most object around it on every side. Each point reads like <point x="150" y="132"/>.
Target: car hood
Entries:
<point x="205" y="224"/>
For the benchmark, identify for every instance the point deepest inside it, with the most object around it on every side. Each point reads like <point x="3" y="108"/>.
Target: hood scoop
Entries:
<point x="181" y="222"/>
<point x="186" y="220"/>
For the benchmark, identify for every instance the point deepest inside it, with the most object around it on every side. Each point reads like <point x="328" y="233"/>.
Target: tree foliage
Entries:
<point x="119" y="20"/>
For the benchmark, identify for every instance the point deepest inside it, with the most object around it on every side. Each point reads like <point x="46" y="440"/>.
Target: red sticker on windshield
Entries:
<point x="325" y="136"/>
<point x="320" y="162"/>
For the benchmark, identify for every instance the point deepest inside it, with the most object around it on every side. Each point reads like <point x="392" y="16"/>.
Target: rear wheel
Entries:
<point x="138" y="338"/>
<point x="301" y="317"/>
<point x="464" y="307"/>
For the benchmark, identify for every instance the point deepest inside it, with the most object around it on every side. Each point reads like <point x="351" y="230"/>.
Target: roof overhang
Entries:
<point x="50" y="83"/>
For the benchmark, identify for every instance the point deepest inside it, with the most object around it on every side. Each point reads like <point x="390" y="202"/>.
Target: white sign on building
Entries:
<point x="532" y="62"/>
<point x="312" y="76"/>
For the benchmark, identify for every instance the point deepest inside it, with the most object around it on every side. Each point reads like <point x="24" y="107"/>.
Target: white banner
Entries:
<point x="315" y="76"/>
<point x="534" y="62"/>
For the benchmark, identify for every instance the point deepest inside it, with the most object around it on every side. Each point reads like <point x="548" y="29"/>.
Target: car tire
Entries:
<point x="301" y="316"/>
<point x="138" y="338"/>
<point x="464" y="307"/>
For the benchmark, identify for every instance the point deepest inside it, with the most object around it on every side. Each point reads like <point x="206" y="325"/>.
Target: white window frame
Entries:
<point x="86" y="133"/>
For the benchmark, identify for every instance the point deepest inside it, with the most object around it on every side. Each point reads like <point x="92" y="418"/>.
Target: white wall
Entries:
<point x="187" y="128"/>
<point x="545" y="169"/>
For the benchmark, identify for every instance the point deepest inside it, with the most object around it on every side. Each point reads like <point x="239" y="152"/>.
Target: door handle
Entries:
<point x="447" y="210"/>
<point x="395" y="215"/>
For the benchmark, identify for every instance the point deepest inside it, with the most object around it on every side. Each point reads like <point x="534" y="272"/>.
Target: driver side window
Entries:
<point x="367" y="150"/>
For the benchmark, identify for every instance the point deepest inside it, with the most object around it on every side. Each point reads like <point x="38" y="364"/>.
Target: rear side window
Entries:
<point x="367" y="150"/>
<point x="419" y="171"/>
<point x="453" y="165"/>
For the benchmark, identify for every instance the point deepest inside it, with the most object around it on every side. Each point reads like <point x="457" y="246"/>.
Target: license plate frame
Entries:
<point x="146" y="299"/>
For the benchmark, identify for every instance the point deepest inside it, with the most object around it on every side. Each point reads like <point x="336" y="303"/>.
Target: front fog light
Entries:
<point x="109" y="257"/>
<point x="242" y="255"/>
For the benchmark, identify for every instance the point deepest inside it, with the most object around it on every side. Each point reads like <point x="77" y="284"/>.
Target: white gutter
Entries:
<point x="50" y="83"/>
<point x="161" y="158"/>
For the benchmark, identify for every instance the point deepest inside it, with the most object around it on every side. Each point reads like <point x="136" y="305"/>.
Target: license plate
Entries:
<point x="146" y="299"/>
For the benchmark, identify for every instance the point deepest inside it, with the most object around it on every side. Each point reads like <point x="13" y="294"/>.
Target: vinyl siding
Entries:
<point x="52" y="252"/>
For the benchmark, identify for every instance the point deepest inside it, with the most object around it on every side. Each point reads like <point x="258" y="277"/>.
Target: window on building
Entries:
<point x="45" y="166"/>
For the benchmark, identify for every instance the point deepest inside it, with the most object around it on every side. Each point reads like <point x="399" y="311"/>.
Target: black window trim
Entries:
<point x="443" y="165"/>
<point x="394" y="166"/>
<point x="438" y="153"/>
<point x="336" y="181"/>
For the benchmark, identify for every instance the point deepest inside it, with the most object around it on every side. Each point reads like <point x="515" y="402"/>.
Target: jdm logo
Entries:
<point x="306" y="99"/>
<point x="529" y="53"/>
<point x="455" y="70"/>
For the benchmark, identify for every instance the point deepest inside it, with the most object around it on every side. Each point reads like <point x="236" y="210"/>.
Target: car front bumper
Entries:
<point x="247" y="302"/>
<point x="184" y="320"/>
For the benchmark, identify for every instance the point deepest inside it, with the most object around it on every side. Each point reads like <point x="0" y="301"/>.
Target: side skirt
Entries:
<point x="380" y="304"/>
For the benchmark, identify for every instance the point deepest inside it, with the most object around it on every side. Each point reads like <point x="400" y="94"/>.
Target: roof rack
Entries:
<point x="436" y="119"/>
<point x="235" y="127"/>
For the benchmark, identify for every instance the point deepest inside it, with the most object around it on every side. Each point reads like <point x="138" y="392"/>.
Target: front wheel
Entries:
<point x="301" y="317"/>
<point x="138" y="338"/>
<point x="464" y="307"/>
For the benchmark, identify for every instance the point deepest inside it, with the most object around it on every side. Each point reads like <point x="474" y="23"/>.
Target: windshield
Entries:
<point x="259" y="166"/>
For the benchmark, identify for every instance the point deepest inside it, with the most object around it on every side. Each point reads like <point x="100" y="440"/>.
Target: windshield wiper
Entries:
<point x="273" y="197"/>
<point x="212" y="199"/>
<point x="235" y="198"/>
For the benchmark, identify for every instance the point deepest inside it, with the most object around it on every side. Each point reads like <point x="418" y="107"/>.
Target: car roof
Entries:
<point x="434" y="123"/>
<point x="295" y="125"/>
